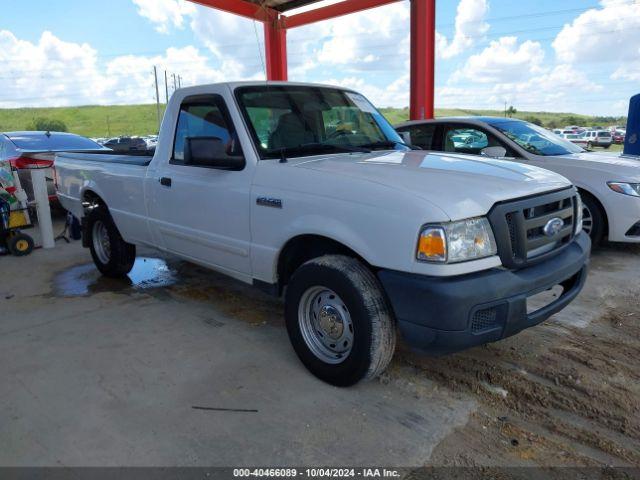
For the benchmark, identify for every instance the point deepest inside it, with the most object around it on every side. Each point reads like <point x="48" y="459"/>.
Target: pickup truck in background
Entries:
<point x="307" y="190"/>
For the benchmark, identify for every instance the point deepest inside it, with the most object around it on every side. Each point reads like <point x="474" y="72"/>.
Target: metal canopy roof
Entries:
<point x="283" y="5"/>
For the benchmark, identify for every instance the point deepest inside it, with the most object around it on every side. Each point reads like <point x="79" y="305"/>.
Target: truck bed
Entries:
<point x="118" y="179"/>
<point x="139" y="158"/>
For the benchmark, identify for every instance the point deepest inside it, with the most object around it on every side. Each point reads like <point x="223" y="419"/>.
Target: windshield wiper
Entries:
<point x="309" y="148"/>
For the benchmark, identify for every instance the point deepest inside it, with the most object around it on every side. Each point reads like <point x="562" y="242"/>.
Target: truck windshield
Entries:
<point x="306" y="120"/>
<point x="535" y="139"/>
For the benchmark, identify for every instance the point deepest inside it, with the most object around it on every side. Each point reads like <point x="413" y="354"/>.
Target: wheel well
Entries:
<point x="584" y="193"/>
<point x="91" y="199"/>
<point x="303" y="248"/>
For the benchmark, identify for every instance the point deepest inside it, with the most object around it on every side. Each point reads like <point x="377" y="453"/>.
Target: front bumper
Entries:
<point x="447" y="314"/>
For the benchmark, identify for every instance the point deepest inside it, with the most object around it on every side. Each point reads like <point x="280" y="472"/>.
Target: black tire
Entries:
<point x="598" y="218"/>
<point x="122" y="255"/>
<point x="374" y="335"/>
<point x="20" y="244"/>
<point x="606" y="147"/>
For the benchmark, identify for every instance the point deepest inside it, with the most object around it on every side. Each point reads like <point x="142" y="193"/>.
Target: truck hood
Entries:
<point x="462" y="186"/>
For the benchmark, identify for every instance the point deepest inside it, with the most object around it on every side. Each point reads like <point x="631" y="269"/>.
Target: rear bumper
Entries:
<point x="447" y="314"/>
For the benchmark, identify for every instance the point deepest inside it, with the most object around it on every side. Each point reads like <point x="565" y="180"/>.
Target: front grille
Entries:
<point x="484" y="320"/>
<point x="524" y="228"/>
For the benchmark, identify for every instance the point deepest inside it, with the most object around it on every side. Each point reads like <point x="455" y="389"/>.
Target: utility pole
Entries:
<point x="155" y="74"/>
<point x="179" y="81"/>
<point x="166" y="89"/>
<point x="108" y="127"/>
<point x="505" y="109"/>
<point x="174" y="82"/>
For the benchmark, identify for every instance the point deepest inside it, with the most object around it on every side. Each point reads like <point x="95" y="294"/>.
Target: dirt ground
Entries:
<point x="565" y="393"/>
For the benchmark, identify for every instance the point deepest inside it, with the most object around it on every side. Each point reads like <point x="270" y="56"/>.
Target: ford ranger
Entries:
<point x="307" y="191"/>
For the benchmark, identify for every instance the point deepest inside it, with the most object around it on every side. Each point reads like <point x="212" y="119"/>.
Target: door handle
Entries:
<point x="165" y="181"/>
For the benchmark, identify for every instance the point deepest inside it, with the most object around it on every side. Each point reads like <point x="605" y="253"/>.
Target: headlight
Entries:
<point x="632" y="189"/>
<point x="456" y="241"/>
<point x="579" y="212"/>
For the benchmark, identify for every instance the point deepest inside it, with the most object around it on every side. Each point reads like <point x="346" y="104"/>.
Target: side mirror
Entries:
<point x="494" y="152"/>
<point x="211" y="152"/>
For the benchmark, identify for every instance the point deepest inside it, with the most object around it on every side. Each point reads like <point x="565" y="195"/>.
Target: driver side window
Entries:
<point x="203" y="117"/>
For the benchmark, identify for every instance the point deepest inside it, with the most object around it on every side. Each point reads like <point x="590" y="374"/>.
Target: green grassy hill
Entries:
<point x="111" y="121"/>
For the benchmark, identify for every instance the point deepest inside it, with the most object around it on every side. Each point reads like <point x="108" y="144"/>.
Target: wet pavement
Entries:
<point x="83" y="280"/>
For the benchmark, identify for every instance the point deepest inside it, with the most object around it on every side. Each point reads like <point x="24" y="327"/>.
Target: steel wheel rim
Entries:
<point x="325" y="324"/>
<point x="587" y="220"/>
<point x="101" y="243"/>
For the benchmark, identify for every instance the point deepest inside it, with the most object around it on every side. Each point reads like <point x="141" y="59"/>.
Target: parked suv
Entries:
<point x="598" y="138"/>
<point x="127" y="144"/>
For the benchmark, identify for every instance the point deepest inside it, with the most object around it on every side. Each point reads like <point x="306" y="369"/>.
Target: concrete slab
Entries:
<point x="109" y="374"/>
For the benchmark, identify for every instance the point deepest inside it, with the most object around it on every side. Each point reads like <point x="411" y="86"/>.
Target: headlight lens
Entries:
<point x="632" y="189"/>
<point x="456" y="241"/>
<point x="579" y="212"/>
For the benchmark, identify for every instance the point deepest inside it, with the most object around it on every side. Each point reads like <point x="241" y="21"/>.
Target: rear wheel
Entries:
<point x="112" y="255"/>
<point x="339" y="321"/>
<point x="589" y="146"/>
<point x="593" y="218"/>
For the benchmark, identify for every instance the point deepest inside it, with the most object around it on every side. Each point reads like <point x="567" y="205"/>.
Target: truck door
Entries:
<point x="200" y="212"/>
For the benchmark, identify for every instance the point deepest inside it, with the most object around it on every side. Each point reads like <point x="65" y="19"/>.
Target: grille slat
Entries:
<point x="542" y="220"/>
<point x="519" y="226"/>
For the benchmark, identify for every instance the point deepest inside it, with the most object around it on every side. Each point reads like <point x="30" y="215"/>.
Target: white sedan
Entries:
<point x="609" y="184"/>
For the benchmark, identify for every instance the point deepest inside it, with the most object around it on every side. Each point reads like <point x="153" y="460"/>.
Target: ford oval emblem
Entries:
<point x="553" y="226"/>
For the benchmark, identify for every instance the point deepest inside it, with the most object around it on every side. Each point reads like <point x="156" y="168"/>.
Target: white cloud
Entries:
<point x="395" y="94"/>
<point x="470" y="27"/>
<point x="49" y="71"/>
<point x="53" y="72"/>
<point x="611" y="32"/>
<point x="354" y="43"/>
<point x="553" y="90"/>
<point x="165" y="13"/>
<point x="503" y="60"/>
<point x="630" y="72"/>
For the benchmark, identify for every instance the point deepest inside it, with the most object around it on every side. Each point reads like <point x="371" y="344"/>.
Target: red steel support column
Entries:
<point x="423" y="58"/>
<point x="275" y="44"/>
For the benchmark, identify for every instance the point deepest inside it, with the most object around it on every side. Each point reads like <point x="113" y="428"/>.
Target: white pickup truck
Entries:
<point x="307" y="190"/>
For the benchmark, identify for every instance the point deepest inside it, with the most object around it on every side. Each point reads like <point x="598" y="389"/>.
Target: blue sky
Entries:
<point x="575" y="55"/>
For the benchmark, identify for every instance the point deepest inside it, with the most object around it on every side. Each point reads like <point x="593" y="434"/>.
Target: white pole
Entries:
<point x="39" y="181"/>
<point x="21" y="195"/>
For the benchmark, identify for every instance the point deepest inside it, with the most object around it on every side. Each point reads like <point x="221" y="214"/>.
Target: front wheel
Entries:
<point x="339" y="321"/>
<point x="593" y="219"/>
<point x="112" y="255"/>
